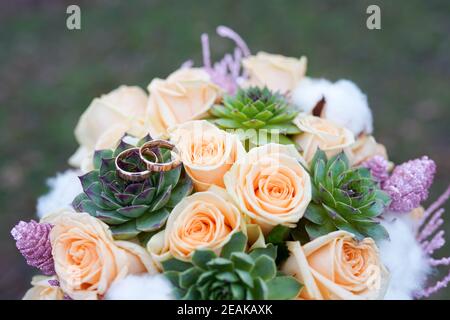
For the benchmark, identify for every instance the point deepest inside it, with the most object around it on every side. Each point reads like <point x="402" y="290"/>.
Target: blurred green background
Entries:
<point x="49" y="75"/>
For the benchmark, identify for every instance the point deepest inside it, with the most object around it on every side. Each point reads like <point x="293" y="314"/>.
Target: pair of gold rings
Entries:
<point x="145" y="153"/>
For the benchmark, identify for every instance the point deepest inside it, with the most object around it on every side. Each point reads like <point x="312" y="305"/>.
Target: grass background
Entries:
<point x="48" y="76"/>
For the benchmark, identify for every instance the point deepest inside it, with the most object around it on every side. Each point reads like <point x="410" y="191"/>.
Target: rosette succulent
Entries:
<point x="131" y="208"/>
<point x="344" y="198"/>
<point x="235" y="275"/>
<point x="257" y="108"/>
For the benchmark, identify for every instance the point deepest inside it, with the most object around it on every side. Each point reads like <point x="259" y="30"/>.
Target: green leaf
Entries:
<point x="319" y="171"/>
<point x="250" y="110"/>
<point x="282" y="117"/>
<point x="77" y="202"/>
<point x="110" y="217"/>
<point x="253" y="123"/>
<point x="220" y="264"/>
<point x="171" y="177"/>
<point x="182" y="190"/>
<point x="264" y="115"/>
<point x="315" y="213"/>
<point x="319" y="155"/>
<point x="161" y="199"/>
<point x="133" y="211"/>
<point x="175" y="265"/>
<point x="202" y="257"/>
<point x="278" y="234"/>
<point x="227" y="123"/>
<point x="264" y="268"/>
<point x="192" y="294"/>
<point x="227" y="277"/>
<point x="240" y="116"/>
<point x="260" y="290"/>
<point x="245" y="277"/>
<point x="270" y="250"/>
<point x="237" y="243"/>
<point x="283" y="288"/>
<point x="152" y="221"/>
<point x="315" y="231"/>
<point x="373" y="230"/>
<point x="145" y="197"/>
<point x="125" y="231"/>
<point x="173" y="277"/>
<point x="219" y="111"/>
<point x="99" y="155"/>
<point x="237" y="292"/>
<point x="189" y="277"/>
<point x="242" y="261"/>
<point x="89" y="178"/>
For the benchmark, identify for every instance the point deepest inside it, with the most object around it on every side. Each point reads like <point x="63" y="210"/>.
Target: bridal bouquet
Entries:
<point x="242" y="179"/>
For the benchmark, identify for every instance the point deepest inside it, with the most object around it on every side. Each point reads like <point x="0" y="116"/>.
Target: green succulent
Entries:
<point x="131" y="208"/>
<point x="235" y="275"/>
<point x="257" y="108"/>
<point x="344" y="198"/>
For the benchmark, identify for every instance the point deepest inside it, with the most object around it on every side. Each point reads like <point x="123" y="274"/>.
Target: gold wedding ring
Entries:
<point x="128" y="175"/>
<point x="146" y="150"/>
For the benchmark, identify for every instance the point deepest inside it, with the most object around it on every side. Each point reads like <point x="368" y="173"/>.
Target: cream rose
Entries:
<point x="270" y="186"/>
<point x="87" y="259"/>
<point x="107" y="119"/>
<point x="43" y="290"/>
<point x="277" y="72"/>
<point x="337" y="267"/>
<point x="204" y="220"/>
<point x="206" y="151"/>
<point x="323" y="134"/>
<point x="187" y="94"/>
<point x="364" y="149"/>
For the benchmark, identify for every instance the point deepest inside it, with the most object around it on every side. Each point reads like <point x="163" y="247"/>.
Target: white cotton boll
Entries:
<point x="141" y="287"/>
<point x="64" y="187"/>
<point x="404" y="258"/>
<point x="345" y="104"/>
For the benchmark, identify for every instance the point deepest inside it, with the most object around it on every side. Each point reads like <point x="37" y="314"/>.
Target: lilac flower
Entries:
<point x="409" y="183"/>
<point x="431" y="237"/>
<point x="226" y="73"/>
<point x="378" y="167"/>
<point x="32" y="240"/>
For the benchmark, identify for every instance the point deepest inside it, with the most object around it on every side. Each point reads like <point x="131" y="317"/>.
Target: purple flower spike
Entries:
<point x="409" y="183"/>
<point x="431" y="237"/>
<point x="378" y="167"/>
<point x="32" y="240"/>
<point x="226" y="73"/>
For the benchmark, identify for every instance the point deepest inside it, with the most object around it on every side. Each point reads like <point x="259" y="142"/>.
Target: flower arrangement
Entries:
<point x="240" y="179"/>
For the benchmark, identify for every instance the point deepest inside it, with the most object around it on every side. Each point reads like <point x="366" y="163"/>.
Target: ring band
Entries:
<point x="145" y="149"/>
<point x="127" y="175"/>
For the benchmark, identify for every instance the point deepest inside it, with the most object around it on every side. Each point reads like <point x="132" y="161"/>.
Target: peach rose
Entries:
<point x="87" y="259"/>
<point x="107" y="119"/>
<point x="187" y="94"/>
<point x="270" y="186"/>
<point x="277" y="72"/>
<point x="206" y="151"/>
<point x="323" y="134"/>
<point x="43" y="290"/>
<point x="204" y="220"/>
<point x="365" y="148"/>
<point x="337" y="267"/>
